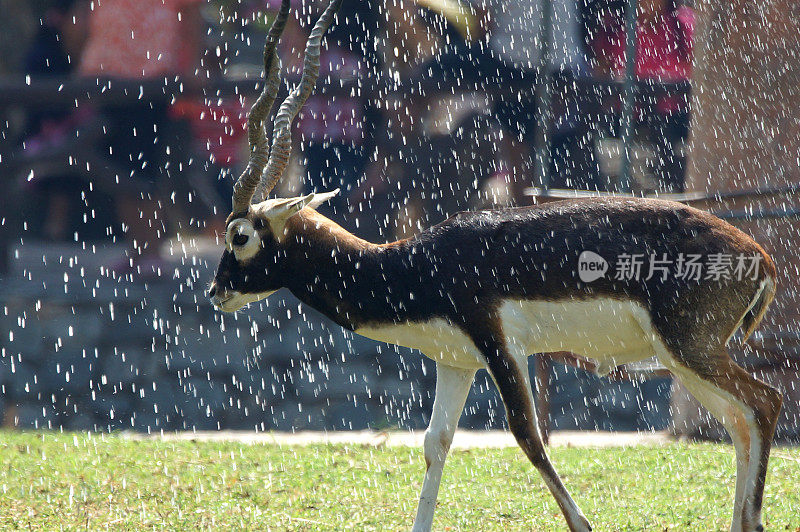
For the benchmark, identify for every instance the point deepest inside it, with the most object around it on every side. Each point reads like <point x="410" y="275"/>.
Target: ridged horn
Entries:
<point x="282" y="134"/>
<point x="246" y="185"/>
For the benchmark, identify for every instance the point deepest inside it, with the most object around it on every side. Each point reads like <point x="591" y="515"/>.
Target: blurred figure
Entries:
<point x="143" y="40"/>
<point x="664" y="53"/>
<point x="393" y="175"/>
<point x="413" y="38"/>
<point x="336" y="127"/>
<point x="500" y="56"/>
<point x="20" y="24"/>
<point x="400" y="181"/>
<point x="516" y="28"/>
<point x="217" y="128"/>
<point x="59" y="42"/>
<point x="54" y="52"/>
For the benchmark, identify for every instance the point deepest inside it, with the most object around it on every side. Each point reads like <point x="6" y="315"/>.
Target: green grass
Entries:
<point x="74" y="481"/>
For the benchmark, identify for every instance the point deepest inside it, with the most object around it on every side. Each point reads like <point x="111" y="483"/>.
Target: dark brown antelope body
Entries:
<point x="465" y="267"/>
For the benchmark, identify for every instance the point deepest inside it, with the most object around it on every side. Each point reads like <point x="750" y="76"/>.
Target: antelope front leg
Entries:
<point x="452" y="387"/>
<point x="511" y="377"/>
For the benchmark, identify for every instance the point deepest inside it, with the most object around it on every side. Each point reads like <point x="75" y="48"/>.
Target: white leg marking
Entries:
<point x="729" y="413"/>
<point x="452" y="387"/>
<point x="753" y="470"/>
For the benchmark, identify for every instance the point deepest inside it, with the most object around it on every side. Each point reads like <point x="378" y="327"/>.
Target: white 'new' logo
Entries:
<point x="591" y="266"/>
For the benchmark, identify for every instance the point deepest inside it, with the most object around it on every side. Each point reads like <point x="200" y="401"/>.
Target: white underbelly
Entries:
<point x="438" y="339"/>
<point x="610" y="331"/>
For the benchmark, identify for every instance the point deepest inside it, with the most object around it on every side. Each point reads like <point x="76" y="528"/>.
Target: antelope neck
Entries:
<point x="348" y="279"/>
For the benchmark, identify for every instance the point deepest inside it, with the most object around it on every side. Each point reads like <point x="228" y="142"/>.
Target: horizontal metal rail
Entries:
<point x="756" y="213"/>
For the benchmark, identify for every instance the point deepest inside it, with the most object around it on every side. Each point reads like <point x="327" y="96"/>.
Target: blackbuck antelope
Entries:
<point x="486" y="289"/>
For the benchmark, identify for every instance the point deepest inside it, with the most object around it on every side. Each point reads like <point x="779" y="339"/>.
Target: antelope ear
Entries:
<point x="322" y="197"/>
<point x="277" y="211"/>
<point x="286" y="208"/>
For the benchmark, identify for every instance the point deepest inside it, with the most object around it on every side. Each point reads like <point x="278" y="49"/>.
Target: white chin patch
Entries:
<point x="236" y="300"/>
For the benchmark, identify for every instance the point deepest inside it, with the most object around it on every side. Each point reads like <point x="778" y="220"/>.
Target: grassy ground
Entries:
<point x="74" y="481"/>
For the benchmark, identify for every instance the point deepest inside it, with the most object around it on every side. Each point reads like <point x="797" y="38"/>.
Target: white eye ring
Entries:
<point x="243" y="249"/>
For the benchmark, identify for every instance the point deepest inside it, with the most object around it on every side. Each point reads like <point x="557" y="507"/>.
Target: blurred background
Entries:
<point x="122" y="130"/>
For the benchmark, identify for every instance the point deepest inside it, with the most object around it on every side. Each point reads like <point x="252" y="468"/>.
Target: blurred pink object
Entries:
<point x="664" y="52"/>
<point x="219" y="127"/>
<point x="137" y="39"/>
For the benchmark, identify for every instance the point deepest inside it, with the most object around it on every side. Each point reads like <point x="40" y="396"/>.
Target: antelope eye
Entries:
<point x="239" y="239"/>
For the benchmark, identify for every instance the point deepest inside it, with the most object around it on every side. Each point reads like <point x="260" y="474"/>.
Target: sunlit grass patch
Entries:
<point x="53" y="481"/>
